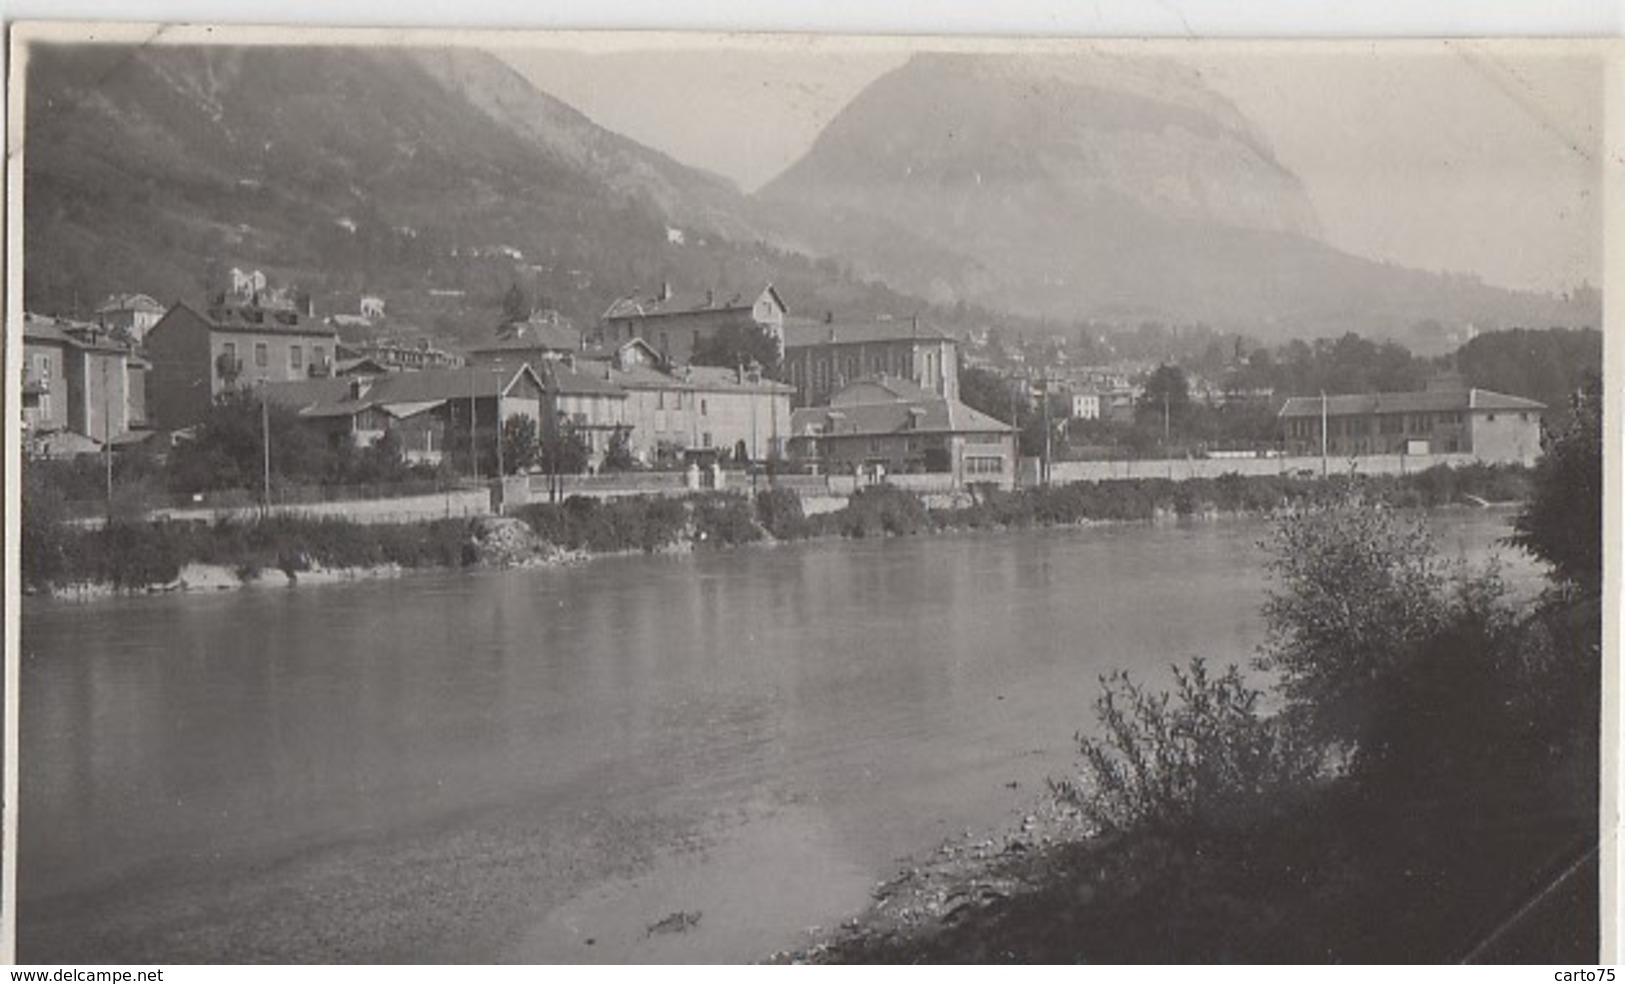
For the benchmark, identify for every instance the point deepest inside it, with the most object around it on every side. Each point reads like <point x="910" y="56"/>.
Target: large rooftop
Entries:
<point x="1428" y="401"/>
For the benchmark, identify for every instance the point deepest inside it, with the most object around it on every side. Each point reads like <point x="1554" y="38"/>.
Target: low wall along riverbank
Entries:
<point x="455" y="530"/>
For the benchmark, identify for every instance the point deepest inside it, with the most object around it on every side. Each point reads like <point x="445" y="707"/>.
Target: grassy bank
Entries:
<point x="132" y="555"/>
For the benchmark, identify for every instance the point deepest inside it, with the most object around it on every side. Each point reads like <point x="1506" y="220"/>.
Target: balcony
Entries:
<point x="228" y="366"/>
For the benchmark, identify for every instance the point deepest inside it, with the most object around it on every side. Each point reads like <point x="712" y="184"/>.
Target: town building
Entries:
<point x="1446" y="418"/>
<point x="583" y="397"/>
<point x="129" y="316"/>
<point x="821" y="358"/>
<point x="429" y="413"/>
<point x="676" y="414"/>
<point x="399" y="356"/>
<point x="673" y="324"/>
<point x="80" y="388"/>
<point x="239" y="343"/>
<point x="887" y="426"/>
<point x="542" y="337"/>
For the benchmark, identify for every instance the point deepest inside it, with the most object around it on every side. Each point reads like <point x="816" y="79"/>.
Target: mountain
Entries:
<point x="1095" y="188"/>
<point x="435" y="178"/>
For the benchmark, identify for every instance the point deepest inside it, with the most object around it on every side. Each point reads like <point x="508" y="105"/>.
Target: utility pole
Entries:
<point x="265" y="443"/>
<point x="1323" y="465"/>
<point x="501" y="472"/>
<point x="1043" y="394"/>
<point x="473" y="427"/>
<point x="107" y="439"/>
<point x="1165" y="419"/>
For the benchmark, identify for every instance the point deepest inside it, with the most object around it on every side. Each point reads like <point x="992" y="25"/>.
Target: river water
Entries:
<point x="540" y="765"/>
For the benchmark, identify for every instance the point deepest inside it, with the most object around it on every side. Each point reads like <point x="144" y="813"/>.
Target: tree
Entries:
<point x="987" y="391"/>
<point x="565" y="451"/>
<point x="1166" y="398"/>
<point x="229" y="447"/>
<point x="618" y="456"/>
<point x="733" y="346"/>
<point x="1562" y="521"/>
<point x="520" y="448"/>
<point x="515" y="306"/>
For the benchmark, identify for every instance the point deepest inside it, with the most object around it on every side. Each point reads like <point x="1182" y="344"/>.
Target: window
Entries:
<point x="706" y="439"/>
<point x="262" y="354"/>
<point x="984" y="464"/>
<point x="1524" y="416"/>
<point x="44" y="364"/>
<point x="874" y="445"/>
<point x="1490" y="418"/>
<point x="318" y="354"/>
<point x="660" y="400"/>
<point x="229" y="350"/>
<point x="703" y="410"/>
<point x="296" y="357"/>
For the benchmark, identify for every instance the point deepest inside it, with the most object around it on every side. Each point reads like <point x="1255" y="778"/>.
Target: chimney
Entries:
<point x="710" y="298"/>
<point x="665" y="290"/>
<point x="739" y="374"/>
<point x="914" y="325"/>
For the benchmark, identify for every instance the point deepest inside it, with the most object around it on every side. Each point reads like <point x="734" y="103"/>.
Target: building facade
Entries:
<point x="195" y="357"/>
<point x="822" y="358"/>
<point x="886" y="426"/>
<point x="675" y="414"/>
<point x="1447" y="419"/>
<point x="80" y="388"/>
<point x="674" y="324"/>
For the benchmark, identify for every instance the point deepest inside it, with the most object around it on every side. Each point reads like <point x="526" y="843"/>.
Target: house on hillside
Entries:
<point x="895" y="426"/>
<point x="80" y="388"/>
<point x="1446" y="418"/>
<point x="1085" y="405"/>
<point x="429" y="413"/>
<point x="821" y="358"/>
<point x="129" y="315"/>
<point x="197" y="356"/>
<point x="673" y="324"/>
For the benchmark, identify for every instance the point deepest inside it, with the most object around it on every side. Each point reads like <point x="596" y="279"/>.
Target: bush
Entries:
<point x="1199" y="757"/>
<point x="882" y="510"/>
<point x="779" y="512"/>
<point x="1357" y="591"/>
<point x="724" y="519"/>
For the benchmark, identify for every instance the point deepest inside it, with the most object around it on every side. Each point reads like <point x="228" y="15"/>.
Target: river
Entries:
<point x="539" y="765"/>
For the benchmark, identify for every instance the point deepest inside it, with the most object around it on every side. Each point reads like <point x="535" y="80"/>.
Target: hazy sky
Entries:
<point x="1443" y="158"/>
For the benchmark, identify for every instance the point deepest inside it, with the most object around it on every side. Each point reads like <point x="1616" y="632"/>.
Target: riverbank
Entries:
<point x="141" y="558"/>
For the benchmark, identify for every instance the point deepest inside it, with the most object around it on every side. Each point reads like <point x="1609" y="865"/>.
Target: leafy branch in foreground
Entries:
<point x="1201" y="754"/>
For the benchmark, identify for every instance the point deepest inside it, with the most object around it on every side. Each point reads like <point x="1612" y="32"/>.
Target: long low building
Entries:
<point x="429" y="413"/>
<point x="1444" y="419"/>
<point x="886" y="426"/>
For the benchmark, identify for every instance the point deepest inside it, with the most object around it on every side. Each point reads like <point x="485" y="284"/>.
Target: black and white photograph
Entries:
<point x="674" y="498"/>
